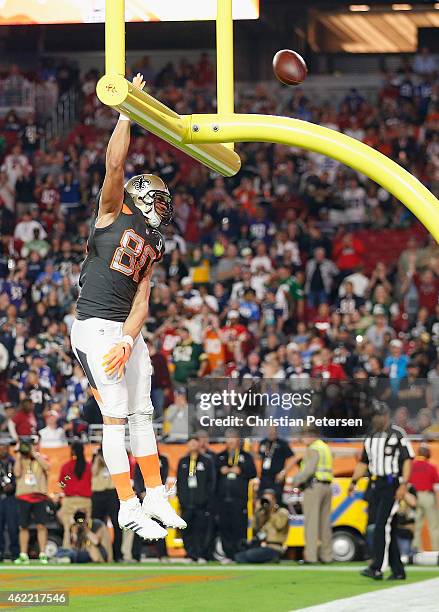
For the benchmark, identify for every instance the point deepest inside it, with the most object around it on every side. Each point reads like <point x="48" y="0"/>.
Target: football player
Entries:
<point x="124" y="243"/>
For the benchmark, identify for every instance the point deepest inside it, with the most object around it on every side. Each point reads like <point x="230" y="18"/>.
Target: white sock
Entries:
<point x="113" y="449"/>
<point x="142" y="436"/>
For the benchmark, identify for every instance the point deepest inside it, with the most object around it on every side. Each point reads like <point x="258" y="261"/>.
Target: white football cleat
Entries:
<point x="156" y="505"/>
<point x="133" y="518"/>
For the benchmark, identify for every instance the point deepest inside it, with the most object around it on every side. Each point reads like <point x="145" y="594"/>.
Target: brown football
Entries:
<point x="289" y="67"/>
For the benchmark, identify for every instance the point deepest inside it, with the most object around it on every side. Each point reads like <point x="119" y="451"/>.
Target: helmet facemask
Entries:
<point x="147" y="191"/>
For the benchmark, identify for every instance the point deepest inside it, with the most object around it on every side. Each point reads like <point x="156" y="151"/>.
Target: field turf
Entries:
<point x="212" y="588"/>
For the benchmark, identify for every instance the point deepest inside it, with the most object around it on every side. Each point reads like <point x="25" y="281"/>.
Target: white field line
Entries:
<point x="419" y="597"/>
<point x="144" y="567"/>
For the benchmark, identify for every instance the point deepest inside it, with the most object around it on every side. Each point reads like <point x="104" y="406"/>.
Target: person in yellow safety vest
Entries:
<point x="315" y="478"/>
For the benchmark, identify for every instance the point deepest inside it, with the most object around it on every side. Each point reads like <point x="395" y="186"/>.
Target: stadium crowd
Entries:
<point x="268" y="275"/>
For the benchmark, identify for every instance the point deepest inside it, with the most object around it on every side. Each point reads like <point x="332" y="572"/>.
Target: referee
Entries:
<point x="387" y="455"/>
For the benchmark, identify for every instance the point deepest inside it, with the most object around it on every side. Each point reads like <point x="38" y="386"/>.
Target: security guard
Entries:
<point x="315" y="478"/>
<point x="387" y="455"/>
<point x="195" y="486"/>
<point x="235" y="468"/>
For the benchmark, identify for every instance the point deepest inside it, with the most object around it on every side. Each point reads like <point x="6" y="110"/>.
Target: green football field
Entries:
<point x="211" y="588"/>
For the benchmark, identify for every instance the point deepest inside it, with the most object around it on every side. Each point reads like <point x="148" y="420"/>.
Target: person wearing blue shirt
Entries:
<point x="395" y="365"/>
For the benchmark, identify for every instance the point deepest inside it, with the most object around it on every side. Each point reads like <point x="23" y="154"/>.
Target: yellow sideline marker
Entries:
<point x="203" y="136"/>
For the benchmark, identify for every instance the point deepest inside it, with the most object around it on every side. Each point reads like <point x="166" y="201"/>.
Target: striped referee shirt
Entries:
<point x="386" y="451"/>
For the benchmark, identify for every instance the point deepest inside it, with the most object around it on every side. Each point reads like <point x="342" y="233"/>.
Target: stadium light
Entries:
<point x="359" y="8"/>
<point x="401" y="7"/>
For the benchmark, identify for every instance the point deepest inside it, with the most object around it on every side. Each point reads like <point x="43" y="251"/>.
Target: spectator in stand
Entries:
<point x="401" y="419"/>
<point x="14" y="165"/>
<point x="69" y="194"/>
<point x="395" y="364"/>
<point x="37" y="245"/>
<point x="348" y="254"/>
<point x="425" y="63"/>
<point x="433" y="379"/>
<point x="349" y="302"/>
<point x="161" y="385"/>
<point x="186" y="356"/>
<point x="326" y="368"/>
<point x="52" y="436"/>
<point x="75" y="481"/>
<point x="177" y="417"/>
<point x="7" y="413"/>
<point x="376" y="333"/>
<point x="410" y="258"/>
<point x="25" y="229"/>
<point x="24" y="423"/>
<point x="320" y="273"/>
<point x="412" y="390"/>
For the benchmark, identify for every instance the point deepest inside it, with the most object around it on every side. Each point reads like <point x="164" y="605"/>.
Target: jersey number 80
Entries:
<point x="132" y="255"/>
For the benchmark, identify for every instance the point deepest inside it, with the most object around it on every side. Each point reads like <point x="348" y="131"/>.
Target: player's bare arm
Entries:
<point x="116" y="359"/>
<point x="113" y="188"/>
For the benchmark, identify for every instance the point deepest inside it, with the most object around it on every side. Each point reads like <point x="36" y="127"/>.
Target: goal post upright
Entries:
<point x="224" y="60"/>
<point x="114" y="90"/>
<point x="115" y="37"/>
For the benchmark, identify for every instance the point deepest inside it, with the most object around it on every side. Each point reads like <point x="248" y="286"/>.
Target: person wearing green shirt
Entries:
<point x="294" y="289"/>
<point x="186" y="357"/>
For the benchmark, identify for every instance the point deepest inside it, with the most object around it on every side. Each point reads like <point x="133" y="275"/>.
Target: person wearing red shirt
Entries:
<point x="24" y="420"/>
<point x="235" y="337"/>
<point x="47" y="194"/>
<point x="326" y="368"/>
<point x="425" y="478"/>
<point x="427" y="285"/>
<point x="348" y="253"/>
<point x="75" y="481"/>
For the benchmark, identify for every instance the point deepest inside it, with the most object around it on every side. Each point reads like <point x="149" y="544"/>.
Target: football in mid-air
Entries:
<point x="289" y="67"/>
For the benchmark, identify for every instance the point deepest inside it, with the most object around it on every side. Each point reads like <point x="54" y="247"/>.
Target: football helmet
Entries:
<point x="146" y="190"/>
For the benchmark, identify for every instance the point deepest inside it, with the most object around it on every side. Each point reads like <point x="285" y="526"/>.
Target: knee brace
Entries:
<point x="142" y="436"/>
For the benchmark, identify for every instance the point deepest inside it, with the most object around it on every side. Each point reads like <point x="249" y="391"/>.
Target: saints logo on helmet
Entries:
<point x="146" y="191"/>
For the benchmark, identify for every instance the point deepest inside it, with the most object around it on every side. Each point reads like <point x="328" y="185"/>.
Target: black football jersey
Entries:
<point x="118" y="257"/>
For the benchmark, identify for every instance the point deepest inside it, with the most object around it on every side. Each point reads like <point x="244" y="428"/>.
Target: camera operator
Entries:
<point x="271" y="531"/>
<point x="31" y="472"/>
<point x="8" y="503"/>
<point x="90" y="541"/>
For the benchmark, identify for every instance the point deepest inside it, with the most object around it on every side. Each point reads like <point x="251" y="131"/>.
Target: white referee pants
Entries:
<point x="91" y="340"/>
